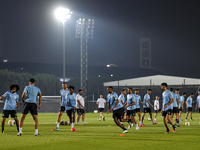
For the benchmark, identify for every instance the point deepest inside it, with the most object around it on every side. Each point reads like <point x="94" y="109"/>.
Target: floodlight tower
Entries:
<point x="63" y="15"/>
<point x="84" y="31"/>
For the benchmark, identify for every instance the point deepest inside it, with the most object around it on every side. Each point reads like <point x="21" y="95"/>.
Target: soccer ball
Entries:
<point x="11" y="122"/>
<point x="187" y="123"/>
<point x="149" y="119"/>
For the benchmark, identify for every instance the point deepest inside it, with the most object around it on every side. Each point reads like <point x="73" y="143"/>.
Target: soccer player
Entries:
<point x="80" y="107"/>
<point x="167" y="108"/>
<point x="122" y="100"/>
<point x="30" y="92"/>
<point x="131" y="102"/>
<point x="198" y="103"/>
<point x="147" y="105"/>
<point x="10" y="105"/>
<point x="101" y="102"/>
<point x="63" y="93"/>
<point x="71" y="106"/>
<point x="189" y="106"/>
<point x="116" y="107"/>
<point x="182" y="99"/>
<point x="175" y="106"/>
<point x="156" y="106"/>
<point x="138" y="101"/>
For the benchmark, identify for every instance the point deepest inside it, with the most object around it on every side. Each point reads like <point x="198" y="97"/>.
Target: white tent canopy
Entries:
<point x="155" y="80"/>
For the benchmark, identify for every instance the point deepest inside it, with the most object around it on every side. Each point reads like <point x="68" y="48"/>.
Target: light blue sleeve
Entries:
<point x="25" y="90"/>
<point x="170" y="95"/>
<point x="67" y="98"/>
<point x="140" y="98"/>
<point x="39" y="91"/>
<point x="115" y="96"/>
<point x="5" y="94"/>
<point x="188" y="99"/>
<point x="17" y="99"/>
<point x="133" y="97"/>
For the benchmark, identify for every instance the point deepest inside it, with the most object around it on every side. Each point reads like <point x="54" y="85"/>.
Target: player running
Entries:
<point x="138" y="101"/>
<point x="10" y="105"/>
<point x="131" y="102"/>
<point x="198" y="103"/>
<point x="182" y="99"/>
<point x="63" y="93"/>
<point x="71" y="106"/>
<point x="147" y="105"/>
<point x="167" y="109"/>
<point x="101" y="102"/>
<point x="116" y="107"/>
<point x="156" y="106"/>
<point x="122" y="100"/>
<point x="30" y="92"/>
<point x="189" y="106"/>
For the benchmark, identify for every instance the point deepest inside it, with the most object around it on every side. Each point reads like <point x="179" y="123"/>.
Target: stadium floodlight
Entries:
<point x="63" y="15"/>
<point x="108" y="65"/>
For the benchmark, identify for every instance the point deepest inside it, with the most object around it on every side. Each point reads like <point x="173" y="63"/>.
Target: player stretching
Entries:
<point x="63" y="93"/>
<point x="80" y="107"/>
<point x="182" y="98"/>
<point x="138" y="101"/>
<point x="198" y="103"/>
<point x="71" y="106"/>
<point x="122" y="100"/>
<point x="101" y="102"/>
<point x="131" y="102"/>
<point x="116" y="107"/>
<point x="167" y="109"/>
<point x="10" y="105"/>
<point x="156" y="106"/>
<point x="30" y="92"/>
<point x="189" y="106"/>
<point x="147" y="108"/>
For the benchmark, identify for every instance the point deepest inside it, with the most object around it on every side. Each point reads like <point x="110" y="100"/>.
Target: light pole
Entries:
<point x="63" y="15"/>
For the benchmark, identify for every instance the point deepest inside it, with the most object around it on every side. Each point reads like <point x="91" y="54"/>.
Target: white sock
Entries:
<point x="121" y="122"/>
<point x="72" y="125"/>
<point x="77" y="122"/>
<point x="136" y="125"/>
<point x="20" y="130"/>
<point x="36" y="131"/>
<point x="57" y="124"/>
<point x="83" y="122"/>
<point x="140" y="122"/>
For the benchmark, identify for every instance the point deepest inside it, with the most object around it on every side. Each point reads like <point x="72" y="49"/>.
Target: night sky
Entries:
<point x="31" y="33"/>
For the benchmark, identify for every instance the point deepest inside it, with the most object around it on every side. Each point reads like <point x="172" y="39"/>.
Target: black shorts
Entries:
<point x="175" y="110"/>
<point x="69" y="112"/>
<point x="156" y="111"/>
<point x="32" y="107"/>
<point x="130" y="112"/>
<point x="62" y="109"/>
<point x="6" y="113"/>
<point x="167" y="112"/>
<point x="119" y="113"/>
<point x="147" y="110"/>
<point x="199" y="110"/>
<point x="189" y="109"/>
<point x="101" y="109"/>
<point x="80" y="111"/>
<point x="137" y="110"/>
<point x="180" y="109"/>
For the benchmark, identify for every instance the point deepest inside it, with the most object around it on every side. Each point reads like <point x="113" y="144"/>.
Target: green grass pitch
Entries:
<point x="100" y="135"/>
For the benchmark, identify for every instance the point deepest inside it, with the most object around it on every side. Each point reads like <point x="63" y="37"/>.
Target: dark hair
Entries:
<point x="149" y="90"/>
<point x="171" y="89"/>
<point x="136" y="89"/>
<point x="71" y="87"/>
<point x="32" y="80"/>
<point x="164" y="84"/>
<point x="130" y="88"/>
<point x="64" y="83"/>
<point x="199" y="90"/>
<point x="80" y="90"/>
<point x="192" y="94"/>
<point x="110" y="87"/>
<point x="14" y="86"/>
<point x="123" y="90"/>
<point x="177" y="89"/>
<point x="184" y="93"/>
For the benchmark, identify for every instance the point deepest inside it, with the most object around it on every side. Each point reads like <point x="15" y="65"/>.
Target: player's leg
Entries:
<point x="180" y="113"/>
<point x="17" y="123"/>
<point x="191" y="115"/>
<point x="78" y="116"/>
<point x="150" y="113"/>
<point x="134" y="119"/>
<point x="169" y="118"/>
<point x="83" y="118"/>
<point x="186" y="115"/>
<point x="120" y="125"/>
<point x="3" y="124"/>
<point x="21" y="123"/>
<point x="73" y="120"/>
<point x="155" y="115"/>
<point x="143" y="117"/>
<point x="165" y="122"/>
<point x="35" y="118"/>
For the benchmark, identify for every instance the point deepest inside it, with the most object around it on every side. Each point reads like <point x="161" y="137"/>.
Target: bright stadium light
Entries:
<point x="108" y="65"/>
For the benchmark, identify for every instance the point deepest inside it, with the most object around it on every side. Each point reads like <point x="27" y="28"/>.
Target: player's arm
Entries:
<point x="23" y="96"/>
<point x="196" y="106"/>
<point x="80" y="103"/>
<point x="149" y="103"/>
<point x="172" y="100"/>
<point x="122" y="102"/>
<point x="117" y="102"/>
<point x="156" y="108"/>
<point x="17" y="104"/>
<point x="1" y="97"/>
<point x="60" y="100"/>
<point x="130" y="104"/>
<point x="186" y="104"/>
<point x="108" y="108"/>
<point x="178" y="102"/>
<point x="105" y="104"/>
<point x="71" y="105"/>
<point x="182" y="104"/>
<point x="40" y="100"/>
<point x="125" y="103"/>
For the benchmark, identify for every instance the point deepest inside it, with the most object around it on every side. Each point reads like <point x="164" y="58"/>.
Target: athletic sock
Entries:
<point x="36" y="131"/>
<point x="176" y="120"/>
<point x="136" y="125"/>
<point x="124" y="128"/>
<point x="20" y="130"/>
<point x="167" y="129"/>
<point x="2" y="129"/>
<point x="83" y="122"/>
<point x="58" y="124"/>
<point x="121" y="123"/>
<point x="173" y="126"/>
<point x="72" y="125"/>
<point x="151" y="119"/>
<point x="17" y="127"/>
<point x="140" y="122"/>
<point x="191" y="118"/>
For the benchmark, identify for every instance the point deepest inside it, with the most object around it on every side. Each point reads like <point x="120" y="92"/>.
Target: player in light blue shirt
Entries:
<point x="131" y="106"/>
<point x="11" y="103"/>
<point x="138" y="101"/>
<point x="189" y="106"/>
<point x="123" y="101"/>
<point x="63" y="93"/>
<point x="70" y="100"/>
<point x="182" y="98"/>
<point x="117" y="107"/>
<point x="146" y="105"/>
<point x="30" y="94"/>
<point x="198" y="104"/>
<point x="167" y="109"/>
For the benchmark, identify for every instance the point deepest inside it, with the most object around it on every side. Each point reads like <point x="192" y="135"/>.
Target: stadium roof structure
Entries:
<point x="155" y="80"/>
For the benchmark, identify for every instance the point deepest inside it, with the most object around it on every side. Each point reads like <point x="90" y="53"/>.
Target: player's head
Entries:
<point x="157" y="97"/>
<point x="80" y="91"/>
<point x="199" y="91"/>
<point x="101" y="96"/>
<point x="71" y="89"/>
<point x="110" y="89"/>
<point x="149" y="91"/>
<point x="184" y="94"/>
<point x="130" y="90"/>
<point x="64" y="85"/>
<point x="31" y="81"/>
<point x="14" y="88"/>
<point x="177" y="91"/>
<point x="192" y="95"/>
<point x="163" y="86"/>
<point x="136" y="91"/>
<point x="171" y="90"/>
<point x="123" y="91"/>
